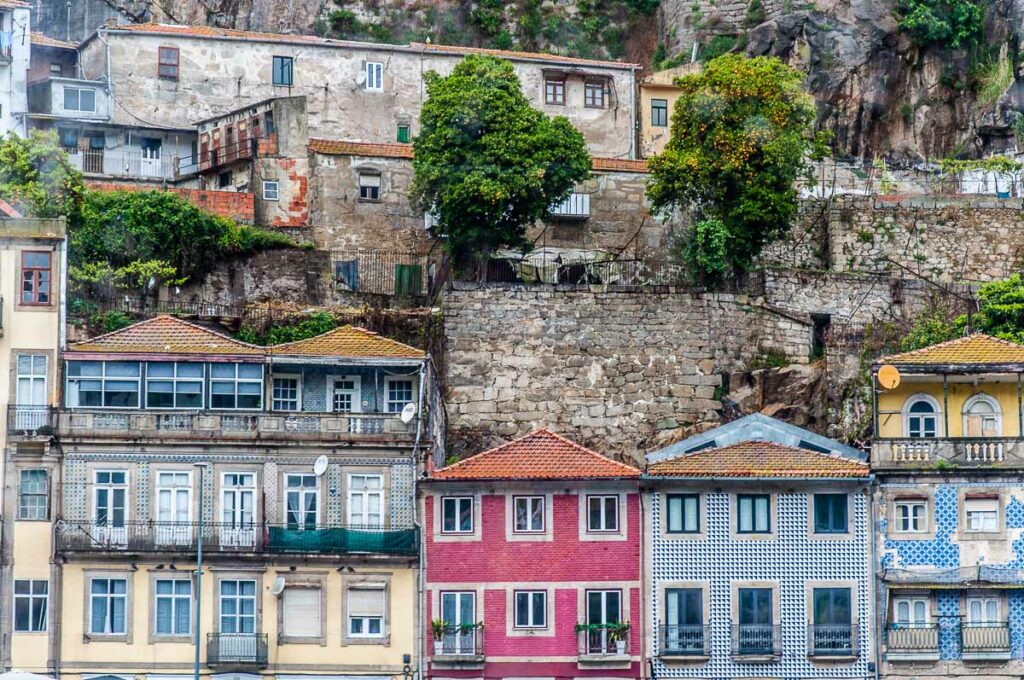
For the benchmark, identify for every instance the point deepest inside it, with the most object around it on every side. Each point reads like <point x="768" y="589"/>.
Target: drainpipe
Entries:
<point x="876" y="637"/>
<point x="63" y="311"/>
<point x="421" y="594"/>
<point x="634" y="119"/>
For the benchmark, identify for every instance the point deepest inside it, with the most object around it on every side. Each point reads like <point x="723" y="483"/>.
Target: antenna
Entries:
<point x="408" y="412"/>
<point x="278" y="586"/>
<point x="320" y="466"/>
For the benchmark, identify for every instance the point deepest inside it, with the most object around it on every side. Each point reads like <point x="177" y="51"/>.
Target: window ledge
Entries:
<point x="684" y="658"/>
<point x="986" y="656"/>
<point x="756" y="658"/>
<point x="912" y="656"/>
<point x="382" y="641"/>
<point x="838" y="658"/>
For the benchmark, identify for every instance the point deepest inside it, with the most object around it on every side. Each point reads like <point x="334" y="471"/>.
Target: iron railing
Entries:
<point x="381" y="272"/>
<point x="574" y="207"/>
<point x="756" y="639"/>
<point x="547" y="268"/>
<point x="841" y="639"/>
<point x="693" y="640"/>
<point x="985" y="638"/>
<point x="603" y="641"/>
<point x="912" y="638"/>
<point x="460" y="641"/>
<point x="236" y="650"/>
<point x="216" y="157"/>
<point x="31" y="420"/>
<point x="130" y="162"/>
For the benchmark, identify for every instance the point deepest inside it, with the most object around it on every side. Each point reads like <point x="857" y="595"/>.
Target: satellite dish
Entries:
<point x="889" y="377"/>
<point x="361" y="78"/>
<point x="278" y="586"/>
<point x="408" y="412"/>
<point x="320" y="466"/>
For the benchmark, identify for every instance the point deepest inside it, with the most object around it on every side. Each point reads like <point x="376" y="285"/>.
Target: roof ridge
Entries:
<point x="950" y="343"/>
<point x="343" y="327"/>
<point x="175" y="319"/>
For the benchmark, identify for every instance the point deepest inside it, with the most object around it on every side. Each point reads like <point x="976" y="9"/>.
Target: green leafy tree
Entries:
<point x="951" y="23"/>
<point x="486" y="163"/>
<point x="35" y="172"/>
<point x="742" y="131"/>
<point x="1000" y="313"/>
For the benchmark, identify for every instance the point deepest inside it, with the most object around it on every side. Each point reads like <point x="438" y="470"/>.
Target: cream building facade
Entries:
<point x="658" y="95"/>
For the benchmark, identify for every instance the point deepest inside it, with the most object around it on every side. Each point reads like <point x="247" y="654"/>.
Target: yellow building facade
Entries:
<point x="658" y="95"/>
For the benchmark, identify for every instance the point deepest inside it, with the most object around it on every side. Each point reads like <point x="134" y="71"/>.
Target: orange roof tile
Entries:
<point x="511" y="54"/>
<point x="40" y="40"/>
<point x="759" y="459"/>
<point x="348" y="341"/>
<point x="215" y="32"/>
<point x="539" y="455"/>
<point x="972" y="349"/>
<point x="620" y="164"/>
<point x="166" y="335"/>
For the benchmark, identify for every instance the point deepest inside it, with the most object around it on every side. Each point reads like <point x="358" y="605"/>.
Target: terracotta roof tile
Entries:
<point x="38" y="39"/>
<point x="539" y="455"/>
<point x="166" y="335"/>
<point x="348" y="341"/>
<point x="621" y="164"/>
<point x="9" y="210"/>
<point x="759" y="459"/>
<point x="511" y="54"/>
<point x="973" y="349"/>
<point x="215" y="32"/>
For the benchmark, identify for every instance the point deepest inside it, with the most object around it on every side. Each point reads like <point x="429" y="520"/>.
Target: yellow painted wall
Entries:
<point x="653" y="139"/>
<point x="31" y="540"/>
<point x="890" y="405"/>
<point x="141" y="654"/>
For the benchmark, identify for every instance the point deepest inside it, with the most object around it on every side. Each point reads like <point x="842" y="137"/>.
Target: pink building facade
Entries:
<point x="532" y="564"/>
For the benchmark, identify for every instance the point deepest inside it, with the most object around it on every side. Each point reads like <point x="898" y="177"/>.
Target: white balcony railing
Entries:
<point x="575" y="207"/>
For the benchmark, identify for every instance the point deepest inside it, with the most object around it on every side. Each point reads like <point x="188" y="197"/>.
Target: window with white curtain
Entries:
<point x="683" y="513"/>
<point x="365" y="500"/>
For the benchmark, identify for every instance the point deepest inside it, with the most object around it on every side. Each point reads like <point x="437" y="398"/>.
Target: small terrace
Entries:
<point x="833" y="641"/>
<point x="912" y="642"/>
<point x="685" y="642"/>
<point x="236" y="651"/>
<point x="459" y="644"/>
<point x="756" y="642"/>
<point x="918" y="453"/>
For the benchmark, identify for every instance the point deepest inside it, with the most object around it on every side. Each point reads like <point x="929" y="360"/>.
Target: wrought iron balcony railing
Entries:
<point x="685" y="640"/>
<point x="833" y="640"/>
<point x="756" y="639"/>
<point x="460" y="643"/>
<point x="236" y="650"/>
<point x="603" y="641"/>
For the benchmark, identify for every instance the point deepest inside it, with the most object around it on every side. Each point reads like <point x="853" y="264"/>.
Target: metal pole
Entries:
<point x="199" y="572"/>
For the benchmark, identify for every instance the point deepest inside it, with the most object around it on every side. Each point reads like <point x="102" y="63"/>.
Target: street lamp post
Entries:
<point x="201" y="467"/>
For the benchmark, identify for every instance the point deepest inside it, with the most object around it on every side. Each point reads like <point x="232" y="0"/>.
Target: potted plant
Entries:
<point x="617" y="633"/>
<point x="437" y="627"/>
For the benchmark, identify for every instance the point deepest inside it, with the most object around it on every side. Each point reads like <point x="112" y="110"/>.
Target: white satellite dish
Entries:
<point x="278" y="586"/>
<point x="408" y="412"/>
<point x="320" y="466"/>
<point x="361" y="78"/>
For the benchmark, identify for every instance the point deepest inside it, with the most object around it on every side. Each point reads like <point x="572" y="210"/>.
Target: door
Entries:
<point x="30" y="397"/>
<point x="833" y="623"/>
<point x="110" y="507"/>
<point x="238" y="519"/>
<point x="152" y="150"/>
<point x="684" y="621"/>
<point x="458" y="611"/>
<point x="174" y="508"/>
<point x="755" y="626"/>
<point x="604" y="608"/>
<point x="237" y="635"/>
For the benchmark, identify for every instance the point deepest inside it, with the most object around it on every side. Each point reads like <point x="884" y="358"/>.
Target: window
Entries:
<point x="223" y="179"/>
<point x="982" y="417"/>
<point x="167" y="67"/>
<point x="35" y="277"/>
<point x="33" y="495"/>
<point x="910" y="516"/>
<point x="56" y="69"/>
<point x="594" y="94"/>
<point x="683" y="513"/>
<point x="174" y="385"/>
<point x="457" y="515"/>
<point x="982" y="515"/>
<point x="684" y="621"/>
<point x="832" y="632"/>
<point x="110" y="498"/>
<point x="369" y="186"/>
<point x="173" y="607"/>
<point x="31" y="380"/>
<point x="404" y="134"/>
<point x="602" y="513"/>
<point x="237" y="496"/>
<point x="236" y="386"/>
<point x="375" y="76"/>
<point x="458" y="611"/>
<point x="603" y="607"/>
<point x="830" y="513"/>
<point x="659" y="113"/>
<point x="285" y="393"/>
<point x="366" y="500"/>
<point x="531" y="609"/>
<point x="30" y="604"/>
<point x="237" y="606"/>
<point x="981" y="611"/>
<point x="920" y="417"/>
<point x="108" y="606"/>
<point x="300" y="615"/>
<point x="270" y="191"/>
<point x="79" y="99"/>
<point x="755" y="634"/>
<point x="529" y="514"/>
<point x="554" y="92"/>
<point x="283" y="71"/>
<point x="301" y="501"/>
<point x="366" y="611"/>
<point x="911" y="612"/>
<point x="345" y="398"/>
<point x="106" y="384"/>
<point x="173" y="507"/>
<point x="398" y="394"/>
<point x="753" y="514"/>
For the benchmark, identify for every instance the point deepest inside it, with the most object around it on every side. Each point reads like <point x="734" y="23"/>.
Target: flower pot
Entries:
<point x="620" y="647"/>
<point x="438" y="647"/>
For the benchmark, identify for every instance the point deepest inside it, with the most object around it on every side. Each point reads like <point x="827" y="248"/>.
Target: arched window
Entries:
<point x="920" y="416"/>
<point x="982" y="417"/>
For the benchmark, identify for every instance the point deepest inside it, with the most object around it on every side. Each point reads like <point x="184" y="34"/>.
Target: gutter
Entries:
<point x="832" y="480"/>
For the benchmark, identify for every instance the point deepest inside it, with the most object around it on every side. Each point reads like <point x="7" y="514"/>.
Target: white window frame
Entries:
<point x="302" y="492"/>
<point x="23" y="510"/>
<point x="365" y="494"/>
<point x="78" y="91"/>
<point x="237" y="381"/>
<point x="374" y="74"/>
<point x="271" y="190"/>
<point x="912" y="603"/>
<point x="366" y="619"/>
<point x="174" y="489"/>
<point x="33" y="379"/>
<point x="996" y="416"/>
<point x="32" y="596"/>
<point x="110" y="487"/>
<point x="983" y="601"/>
<point x="356" y="392"/>
<point x="109" y="597"/>
<point x="907" y="415"/>
<point x="387" y="392"/>
<point x="897" y="518"/>
<point x="174" y="379"/>
<point x="457" y="500"/>
<point x="297" y="377"/>
<point x="103" y="379"/>
<point x="604" y="527"/>
<point x="529" y="500"/>
<point x="379" y="186"/>
<point x="531" y="609"/>
<point x="238" y="598"/>
<point x="176" y="600"/>
<point x="986" y="515"/>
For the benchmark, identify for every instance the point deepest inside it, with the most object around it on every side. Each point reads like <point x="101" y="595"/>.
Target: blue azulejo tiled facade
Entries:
<point x="759" y="556"/>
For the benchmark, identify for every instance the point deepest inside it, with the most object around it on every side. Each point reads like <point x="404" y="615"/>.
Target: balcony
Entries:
<point x="603" y="643"/>
<point x="236" y="650"/>
<point x="986" y="641"/>
<point x="91" y="424"/>
<point x="977" y="452"/>
<point x="89" y="537"/>
<point x="575" y="207"/>
<point x="833" y="641"/>
<point x="757" y="642"/>
<point x="685" y="642"/>
<point x="73" y="99"/>
<point x="132" y="163"/>
<point x="459" y="645"/>
<point x="31" y="422"/>
<point x="912" y="642"/>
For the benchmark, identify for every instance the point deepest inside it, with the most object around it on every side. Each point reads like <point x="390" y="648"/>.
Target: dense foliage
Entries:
<point x="488" y="164"/>
<point x="1000" y="313"/>
<point x="950" y="23"/>
<point x="36" y="173"/>
<point x="310" y="326"/>
<point x="741" y="135"/>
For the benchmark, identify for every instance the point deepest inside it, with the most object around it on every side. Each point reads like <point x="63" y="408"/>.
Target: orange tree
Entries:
<point x="742" y="133"/>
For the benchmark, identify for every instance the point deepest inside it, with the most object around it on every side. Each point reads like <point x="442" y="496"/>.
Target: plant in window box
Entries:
<point x="617" y="633"/>
<point x="437" y="627"/>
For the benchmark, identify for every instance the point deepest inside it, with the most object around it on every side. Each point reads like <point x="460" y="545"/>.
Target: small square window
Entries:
<point x="753" y="514"/>
<point x="554" y="92"/>
<point x="224" y="180"/>
<point x="831" y="513"/>
<point x="56" y="69"/>
<point x="683" y="513"/>
<point x="270" y="191"/>
<point x="602" y="513"/>
<point x="366" y="612"/>
<point x="35" y="277"/>
<point x="167" y="68"/>
<point x="283" y="71"/>
<point x="982" y="515"/>
<point x="531" y="609"/>
<point x="911" y="516"/>
<point x="659" y="113"/>
<point x="528" y="513"/>
<point x="594" y="94"/>
<point x="369" y="186"/>
<point x="374" y="76"/>
<point x="457" y="515"/>
<point x="403" y="134"/>
<point x="33" y="495"/>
